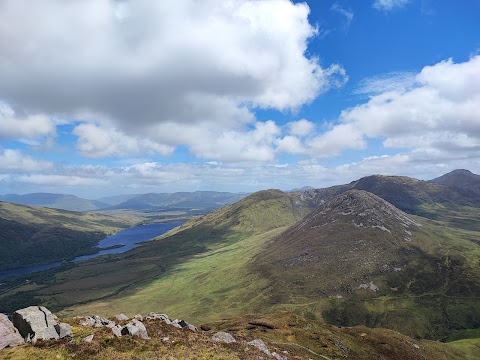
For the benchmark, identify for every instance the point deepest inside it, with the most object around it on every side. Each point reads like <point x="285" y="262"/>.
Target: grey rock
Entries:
<point x="163" y="317"/>
<point x="135" y="328"/>
<point x="35" y="323"/>
<point x="117" y="330"/>
<point x="223" y="336"/>
<point x="278" y="356"/>
<point x="192" y="327"/>
<point x="97" y="321"/>
<point x="9" y="335"/>
<point x="138" y="317"/>
<point x="260" y="345"/>
<point x="63" y="330"/>
<point x="88" y="339"/>
<point x="122" y="317"/>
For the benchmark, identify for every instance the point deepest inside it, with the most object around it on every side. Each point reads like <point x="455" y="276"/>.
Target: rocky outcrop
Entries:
<point x="180" y="324"/>
<point x="224" y="337"/>
<point x="121" y="317"/>
<point x="260" y="345"/>
<point x="9" y="335"/>
<point x="38" y="323"/>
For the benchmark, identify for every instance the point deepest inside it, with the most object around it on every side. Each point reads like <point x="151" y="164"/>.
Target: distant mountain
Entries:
<point x="180" y="200"/>
<point x="55" y="201"/>
<point x="37" y="235"/>
<point x="460" y="179"/>
<point x="117" y="199"/>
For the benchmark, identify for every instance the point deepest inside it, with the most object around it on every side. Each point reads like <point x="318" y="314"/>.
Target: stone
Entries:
<point x="138" y="317"/>
<point x="122" y="317"/>
<point x="135" y="328"/>
<point x="96" y="321"/>
<point x="163" y="317"/>
<point x="9" y="335"/>
<point x="192" y="327"/>
<point x="224" y="337"/>
<point x="35" y="323"/>
<point x="260" y="345"/>
<point x="278" y="356"/>
<point x="117" y="330"/>
<point x="63" y="330"/>
<point x="88" y="339"/>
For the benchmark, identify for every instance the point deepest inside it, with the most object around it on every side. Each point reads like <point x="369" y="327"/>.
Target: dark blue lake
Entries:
<point x="125" y="240"/>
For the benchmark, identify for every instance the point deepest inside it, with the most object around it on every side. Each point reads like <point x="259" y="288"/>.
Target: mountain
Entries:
<point x="357" y="259"/>
<point x="180" y="200"/>
<point x="460" y="179"/>
<point x="116" y="199"/>
<point x="55" y="201"/>
<point x="37" y="235"/>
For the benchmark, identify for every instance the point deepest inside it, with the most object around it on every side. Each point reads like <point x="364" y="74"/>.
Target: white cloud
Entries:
<point x="393" y="81"/>
<point x="441" y="112"/>
<point x="388" y="5"/>
<point x="142" y="63"/>
<point x="13" y="161"/>
<point x="301" y="127"/>
<point x="346" y="13"/>
<point x="291" y="145"/>
<point x="95" y="141"/>
<point x="17" y="126"/>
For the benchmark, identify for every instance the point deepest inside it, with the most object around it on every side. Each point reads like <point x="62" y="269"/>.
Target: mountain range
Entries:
<point x="383" y="251"/>
<point x="198" y="200"/>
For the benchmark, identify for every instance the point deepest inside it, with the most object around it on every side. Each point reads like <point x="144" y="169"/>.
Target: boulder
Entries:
<point x="9" y="335"/>
<point x="63" y="330"/>
<point x="138" y="317"/>
<point x="224" y="337"/>
<point x="96" y="321"/>
<point x="122" y="317"/>
<point x="163" y="317"/>
<point x="88" y="339"/>
<point x="260" y="345"/>
<point x="117" y="330"/>
<point x="135" y="328"/>
<point x="36" y="323"/>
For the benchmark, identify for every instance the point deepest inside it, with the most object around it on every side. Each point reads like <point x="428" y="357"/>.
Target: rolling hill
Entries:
<point x="181" y="200"/>
<point x="460" y="179"/>
<point x="55" y="201"/>
<point x="36" y="235"/>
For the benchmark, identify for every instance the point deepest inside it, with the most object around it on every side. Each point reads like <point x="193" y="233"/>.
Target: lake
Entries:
<point x="123" y="241"/>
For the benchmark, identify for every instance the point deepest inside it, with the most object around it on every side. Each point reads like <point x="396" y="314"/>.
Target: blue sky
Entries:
<point x="108" y="97"/>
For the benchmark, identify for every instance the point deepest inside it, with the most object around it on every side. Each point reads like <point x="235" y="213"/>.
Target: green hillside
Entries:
<point x="35" y="235"/>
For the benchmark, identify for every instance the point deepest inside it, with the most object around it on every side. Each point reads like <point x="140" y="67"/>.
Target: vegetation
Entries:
<point x="34" y="235"/>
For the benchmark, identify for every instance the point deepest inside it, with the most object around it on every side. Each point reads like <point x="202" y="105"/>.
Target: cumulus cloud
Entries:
<point x="147" y="62"/>
<point x="18" y="126"/>
<point x="441" y="112"/>
<point x="14" y="161"/>
<point x="387" y="5"/>
<point x="301" y="127"/>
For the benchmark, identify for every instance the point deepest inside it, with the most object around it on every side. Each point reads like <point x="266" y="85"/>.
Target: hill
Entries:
<point x="180" y="200"/>
<point x="36" y="235"/>
<point x="460" y="179"/>
<point x="55" y="201"/>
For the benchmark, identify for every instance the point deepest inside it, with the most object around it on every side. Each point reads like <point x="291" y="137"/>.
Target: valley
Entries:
<point x="382" y="252"/>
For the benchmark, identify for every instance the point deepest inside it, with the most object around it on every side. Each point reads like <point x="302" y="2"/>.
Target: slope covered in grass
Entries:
<point x="36" y="235"/>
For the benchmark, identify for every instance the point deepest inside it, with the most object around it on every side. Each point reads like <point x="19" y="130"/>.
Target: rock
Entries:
<point x="122" y="317"/>
<point x="278" y="356"/>
<point x="63" y="330"/>
<point x="135" y="328"/>
<point x="88" y="339"/>
<point x="192" y="327"/>
<point x="222" y="336"/>
<point x="97" y="321"/>
<point x="260" y="345"/>
<point x="117" y="330"/>
<point x="9" y="335"/>
<point x="138" y="317"/>
<point x="163" y="317"/>
<point x="182" y="323"/>
<point x="205" y="327"/>
<point x="36" y="323"/>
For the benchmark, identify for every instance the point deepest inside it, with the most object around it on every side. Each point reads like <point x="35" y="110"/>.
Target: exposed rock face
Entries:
<point x="38" y="323"/>
<point x="9" y="335"/>
<point x="222" y="336"/>
<point x="180" y="324"/>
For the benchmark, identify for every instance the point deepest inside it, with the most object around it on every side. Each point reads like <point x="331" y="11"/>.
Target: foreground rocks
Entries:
<point x="38" y="323"/>
<point x="9" y="335"/>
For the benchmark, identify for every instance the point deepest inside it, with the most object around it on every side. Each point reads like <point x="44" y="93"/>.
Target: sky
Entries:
<point x="106" y="97"/>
